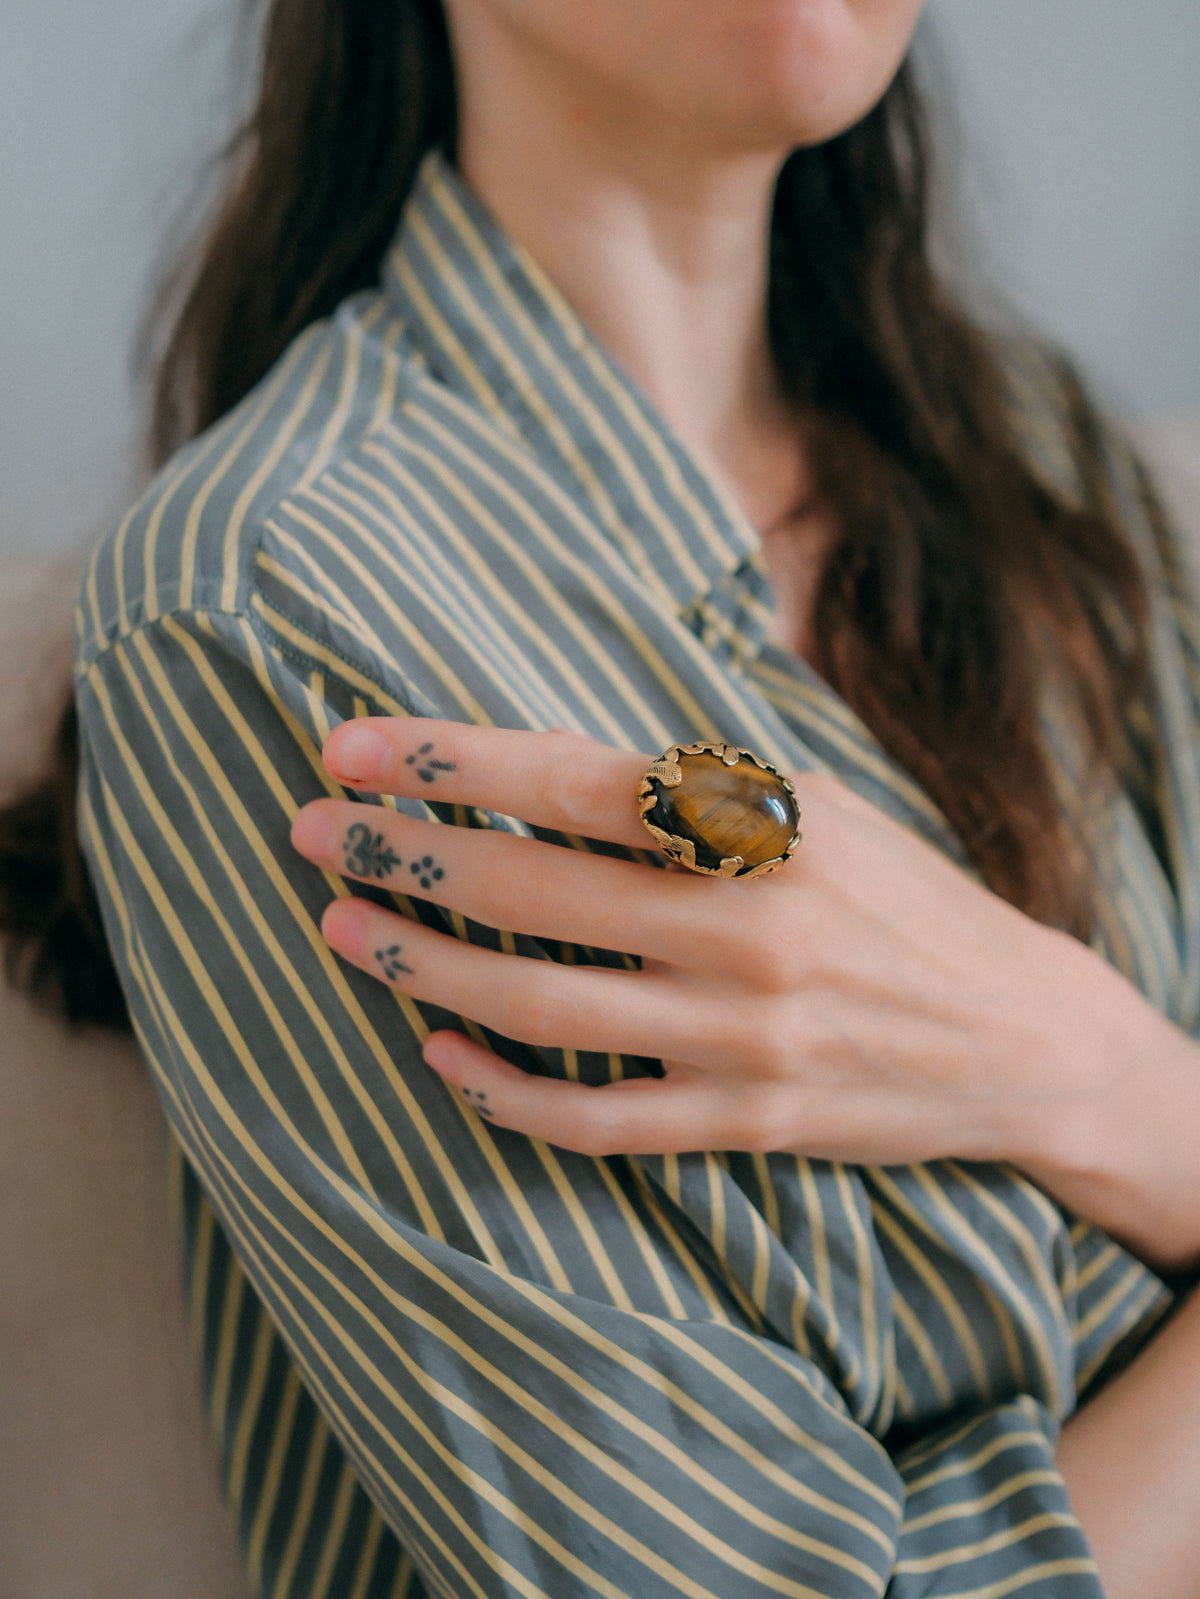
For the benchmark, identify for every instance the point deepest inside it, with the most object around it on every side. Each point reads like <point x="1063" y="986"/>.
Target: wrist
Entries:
<point x="1123" y="1148"/>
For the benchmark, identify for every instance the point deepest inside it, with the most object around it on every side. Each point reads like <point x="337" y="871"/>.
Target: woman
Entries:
<point x="567" y="383"/>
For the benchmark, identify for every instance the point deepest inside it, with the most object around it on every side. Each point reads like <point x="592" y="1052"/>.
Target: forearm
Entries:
<point x="1131" y="1461"/>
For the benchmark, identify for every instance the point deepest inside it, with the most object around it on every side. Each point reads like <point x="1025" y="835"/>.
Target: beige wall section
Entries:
<point x="1083" y="141"/>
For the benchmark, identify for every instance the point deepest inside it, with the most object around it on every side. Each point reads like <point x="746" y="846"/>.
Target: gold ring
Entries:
<point x="719" y="809"/>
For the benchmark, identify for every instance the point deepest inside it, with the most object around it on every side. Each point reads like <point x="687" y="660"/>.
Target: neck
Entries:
<point x="659" y="243"/>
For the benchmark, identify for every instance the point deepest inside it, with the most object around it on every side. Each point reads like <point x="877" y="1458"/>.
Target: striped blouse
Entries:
<point x="442" y="1358"/>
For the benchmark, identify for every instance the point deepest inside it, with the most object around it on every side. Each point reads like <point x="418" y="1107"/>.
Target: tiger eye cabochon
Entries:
<point x="736" y="813"/>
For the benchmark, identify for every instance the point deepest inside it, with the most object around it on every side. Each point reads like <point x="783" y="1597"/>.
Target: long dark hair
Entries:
<point x="956" y="579"/>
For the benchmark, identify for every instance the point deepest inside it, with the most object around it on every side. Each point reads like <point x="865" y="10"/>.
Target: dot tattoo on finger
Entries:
<point x="390" y="960"/>
<point x="366" y="853"/>
<point x="427" y="871"/>
<point x="477" y="1099"/>
<point x="428" y="768"/>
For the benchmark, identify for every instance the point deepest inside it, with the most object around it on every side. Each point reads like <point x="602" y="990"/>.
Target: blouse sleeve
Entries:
<point x="538" y="1377"/>
<point x="541" y="1371"/>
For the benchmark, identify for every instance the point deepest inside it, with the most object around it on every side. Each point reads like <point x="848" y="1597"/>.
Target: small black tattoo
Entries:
<point x="427" y="871"/>
<point x="477" y="1100"/>
<point x="367" y="854"/>
<point x="390" y="960"/>
<point x="428" y="769"/>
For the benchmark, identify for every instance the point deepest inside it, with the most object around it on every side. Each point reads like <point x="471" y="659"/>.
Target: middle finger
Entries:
<point x="524" y="885"/>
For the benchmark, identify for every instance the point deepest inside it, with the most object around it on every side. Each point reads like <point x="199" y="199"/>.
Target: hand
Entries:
<point x="868" y="1002"/>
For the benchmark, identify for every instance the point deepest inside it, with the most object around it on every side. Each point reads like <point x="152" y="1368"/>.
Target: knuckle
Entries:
<point x="508" y="887"/>
<point x="756" y="1122"/>
<point x="535" y="1010"/>
<point x="595" y="1140"/>
<point x="774" y="957"/>
<point x="770" y="1045"/>
<point x="573" y="783"/>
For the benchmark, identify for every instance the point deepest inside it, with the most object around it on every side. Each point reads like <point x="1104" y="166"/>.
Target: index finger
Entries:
<point x="561" y="781"/>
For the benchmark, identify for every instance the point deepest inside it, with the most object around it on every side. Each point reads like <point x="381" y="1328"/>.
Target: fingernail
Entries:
<point x="313" y="830"/>
<point x="440" y="1053"/>
<point x="358" y="754"/>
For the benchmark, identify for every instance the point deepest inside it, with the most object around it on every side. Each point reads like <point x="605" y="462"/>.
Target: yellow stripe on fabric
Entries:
<point x="986" y="1546"/>
<point x="1006" y="1216"/>
<point x="301" y="1507"/>
<point x="905" y="1404"/>
<point x="404" y="1579"/>
<point x="1000" y="1309"/>
<point x="1104" y="1307"/>
<point x="218" y="1397"/>
<point x="352" y="350"/>
<point x="335" y="1532"/>
<point x="702" y="662"/>
<point x="204" y="492"/>
<point x="435" y="662"/>
<point x="987" y="1501"/>
<point x="366" y="1560"/>
<point x="385" y="403"/>
<point x="866" y="1281"/>
<point x="310" y="646"/>
<point x="467" y="552"/>
<point x="332" y="968"/>
<point x="1097" y="1266"/>
<point x="269" y="459"/>
<point x="766" y="1188"/>
<point x="238" y="1451"/>
<point x="456" y="487"/>
<point x="714" y="1178"/>
<point x="923" y="1344"/>
<point x="506" y="667"/>
<point x="1134" y="1311"/>
<point x="524" y="509"/>
<point x="981" y="1457"/>
<point x="199" y="1267"/>
<point x="445" y="334"/>
<point x="680" y="1249"/>
<point x="319" y="602"/>
<point x="583" y="1224"/>
<point x="203" y="892"/>
<point x="651" y="1258"/>
<point x="928" y="1273"/>
<point x="818" y="1239"/>
<point x="1042" y="1572"/>
<point x="268" y="1493"/>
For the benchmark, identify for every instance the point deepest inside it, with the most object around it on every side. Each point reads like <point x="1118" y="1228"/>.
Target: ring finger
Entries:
<point x="540" y="1002"/>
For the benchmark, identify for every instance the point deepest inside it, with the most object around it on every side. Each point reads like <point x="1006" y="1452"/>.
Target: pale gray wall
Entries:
<point x="1081" y="168"/>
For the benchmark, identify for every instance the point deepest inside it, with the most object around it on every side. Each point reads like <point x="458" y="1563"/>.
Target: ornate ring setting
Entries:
<point x="719" y="809"/>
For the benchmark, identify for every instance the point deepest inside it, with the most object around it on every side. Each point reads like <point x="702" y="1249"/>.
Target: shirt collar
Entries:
<point x="489" y="322"/>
